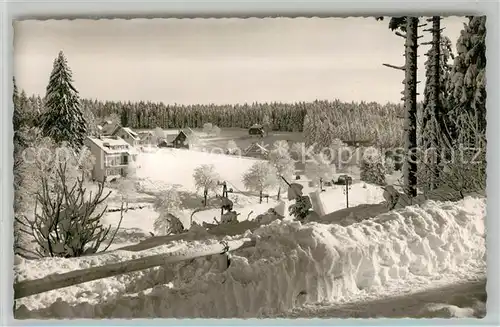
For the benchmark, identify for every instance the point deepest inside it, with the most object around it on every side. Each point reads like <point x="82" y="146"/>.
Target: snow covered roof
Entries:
<point x="131" y="133"/>
<point x="171" y="137"/>
<point x="187" y="131"/>
<point x="112" y="145"/>
<point x="108" y="127"/>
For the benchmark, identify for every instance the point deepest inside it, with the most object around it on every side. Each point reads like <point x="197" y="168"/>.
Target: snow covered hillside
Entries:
<point x="291" y="265"/>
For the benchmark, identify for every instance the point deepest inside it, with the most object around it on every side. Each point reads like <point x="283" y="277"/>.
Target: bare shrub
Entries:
<point x="65" y="222"/>
<point x="461" y="169"/>
<point x="206" y="178"/>
<point x="167" y="204"/>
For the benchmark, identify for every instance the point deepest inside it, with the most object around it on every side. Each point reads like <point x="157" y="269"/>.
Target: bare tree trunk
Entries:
<point x="411" y="46"/>
<point x="279" y="192"/>
<point x="436" y="104"/>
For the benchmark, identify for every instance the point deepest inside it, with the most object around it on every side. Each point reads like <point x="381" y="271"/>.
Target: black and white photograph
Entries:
<point x="278" y="167"/>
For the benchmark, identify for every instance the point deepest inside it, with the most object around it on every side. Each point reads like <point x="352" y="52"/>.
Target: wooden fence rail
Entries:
<point x="56" y="281"/>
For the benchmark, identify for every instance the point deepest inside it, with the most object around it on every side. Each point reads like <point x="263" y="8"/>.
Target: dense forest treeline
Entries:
<point x="286" y="117"/>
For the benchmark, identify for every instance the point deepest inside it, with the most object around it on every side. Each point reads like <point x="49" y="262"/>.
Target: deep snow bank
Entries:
<point x="293" y="263"/>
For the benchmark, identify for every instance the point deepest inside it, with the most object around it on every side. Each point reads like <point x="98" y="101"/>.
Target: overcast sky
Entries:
<point x="192" y="61"/>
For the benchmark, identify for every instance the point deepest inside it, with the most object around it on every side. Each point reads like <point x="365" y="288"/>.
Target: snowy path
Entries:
<point x="466" y="299"/>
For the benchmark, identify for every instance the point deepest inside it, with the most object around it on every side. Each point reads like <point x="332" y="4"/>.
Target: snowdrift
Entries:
<point x="293" y="264"/>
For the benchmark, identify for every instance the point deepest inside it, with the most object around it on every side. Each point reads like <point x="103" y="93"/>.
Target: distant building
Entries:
<point x="181" y="140"/>
<point x="113" y="156"/>
<point x="256" y="129"/>
<point x="146" y="138"/>
<point x="164" y="143"/>
<point x="127" y="134"/>
<point x="108" y="127"/>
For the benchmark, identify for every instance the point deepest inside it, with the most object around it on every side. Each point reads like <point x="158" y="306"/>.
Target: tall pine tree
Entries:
<point x="17" y="119"/>
<point x="18" y="123"/>
<point x="63" y="119"/>
<point x="467" y="96"/>
<point x="432" y="123"/>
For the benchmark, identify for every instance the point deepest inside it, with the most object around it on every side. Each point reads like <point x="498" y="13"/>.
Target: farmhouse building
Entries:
<point x="256" y="129"/>
<point x="112" y="156"/>
<point x="181" y="140"/>
<point x="164" y="143"/>
<point x="127" y="134"/>
<point x="146" y="138"/>
<point x="108" y="127"/>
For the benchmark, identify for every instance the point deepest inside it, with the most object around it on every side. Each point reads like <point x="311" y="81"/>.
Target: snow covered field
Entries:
<point x="360" y="193"/>
<point x="175" y="167"/>
<point x="159" y="168"/>
<point x="403" y="251"/>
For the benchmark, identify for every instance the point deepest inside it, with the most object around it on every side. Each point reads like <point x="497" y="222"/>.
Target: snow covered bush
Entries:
<point x="207" y="128"/>
<point x="211" y="129"/>
<point x="372" y="167"/>
<point x="206" y="178"/>
<point x="319" y="169"/>
<point x="216" y="130"/>
<point x="167" y="204"/>
<point x="193" y="140"/>
<point x="260" y="177"/>
<point x="159" y="134"/>
<point x="299" y="151"/>
<point x="301" y="208"/>
<point x="66" y="220"/>
<point x="41" y="160"/>
<point x="127" y="185"/>
<point x="232" y="148"/>
<point x="389" y="165"/>
<point x="281" y="160"/>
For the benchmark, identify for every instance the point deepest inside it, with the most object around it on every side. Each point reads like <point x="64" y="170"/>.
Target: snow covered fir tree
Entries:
<point x="209" y="171"/>
<point x="63" y="119"/>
